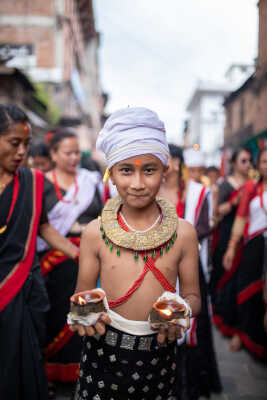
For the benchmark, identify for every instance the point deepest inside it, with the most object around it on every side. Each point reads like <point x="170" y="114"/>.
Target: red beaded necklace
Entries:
<point x="58" y="191"/>
<point x="14" y="199"/>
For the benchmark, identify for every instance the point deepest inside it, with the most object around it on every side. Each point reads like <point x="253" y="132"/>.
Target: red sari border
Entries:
<point x="193" y="334"/>
<point x="249" y="291"/>
<point x="253" y="347"/>
<point x="20" y="271"/>
<point x="229" y="331"/>
<point x="59" y="341"/>
<point x="55" y="257"/>
<point x="226" y="330"/>
<point x="62" y="372"/>
<point x="199" y="204"/>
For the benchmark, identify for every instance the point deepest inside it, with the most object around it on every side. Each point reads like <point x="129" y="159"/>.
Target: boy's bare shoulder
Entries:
<point x="91" y="231"/>
<point x="186" y="230"/>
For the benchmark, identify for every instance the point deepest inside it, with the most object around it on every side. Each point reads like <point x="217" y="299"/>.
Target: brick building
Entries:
<point x="55" y="43"/>
<point x="16" y="88"/>
<point x="246" y="107"/>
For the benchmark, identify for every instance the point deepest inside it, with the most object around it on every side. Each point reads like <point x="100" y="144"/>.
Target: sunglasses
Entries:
<point x="246" y="160"/>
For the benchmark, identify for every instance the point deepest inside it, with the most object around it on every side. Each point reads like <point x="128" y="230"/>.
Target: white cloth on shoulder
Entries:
<point x="63" y="215"/>
<point x="130" y="132"/>
<point x="192" y="213"/>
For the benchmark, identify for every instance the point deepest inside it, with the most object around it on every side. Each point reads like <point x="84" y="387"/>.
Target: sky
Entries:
<point x="153" y="52"/>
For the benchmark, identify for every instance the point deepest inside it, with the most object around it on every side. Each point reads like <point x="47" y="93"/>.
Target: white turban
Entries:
<point x="194" y="158"/>
<point x="131" y="132"/>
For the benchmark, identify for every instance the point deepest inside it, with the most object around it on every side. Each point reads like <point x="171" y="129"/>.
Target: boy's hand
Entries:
<point x="99" y="327"/>
<point x="172" y="333"/>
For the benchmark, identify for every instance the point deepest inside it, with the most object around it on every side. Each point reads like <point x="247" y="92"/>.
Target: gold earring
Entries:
<point x="106" y="176"/>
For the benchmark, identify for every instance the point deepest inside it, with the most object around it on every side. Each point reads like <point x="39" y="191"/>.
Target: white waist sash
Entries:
<point x="139" y="328"/>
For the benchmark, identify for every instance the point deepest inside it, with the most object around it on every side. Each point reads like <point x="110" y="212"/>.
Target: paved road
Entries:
<point x="242" y="377"/>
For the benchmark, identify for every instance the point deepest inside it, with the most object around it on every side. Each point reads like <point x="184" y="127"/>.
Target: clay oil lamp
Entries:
<point x="87" y="302"/>
<point x="166" y="312"/>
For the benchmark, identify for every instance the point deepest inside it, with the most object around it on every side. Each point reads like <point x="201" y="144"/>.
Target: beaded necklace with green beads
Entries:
<point x="154" y="241"/>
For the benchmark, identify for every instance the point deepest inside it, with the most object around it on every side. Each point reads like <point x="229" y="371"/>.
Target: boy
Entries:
<point x="140" y="240"/>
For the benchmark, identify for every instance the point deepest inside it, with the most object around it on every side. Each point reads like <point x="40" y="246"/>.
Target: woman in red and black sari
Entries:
<point x="73" y="198"/>
<point x="198" y="373"/>
<point x="251" y="226"/>
<point x="23" y="298"/>
<point x="223" y="283"/>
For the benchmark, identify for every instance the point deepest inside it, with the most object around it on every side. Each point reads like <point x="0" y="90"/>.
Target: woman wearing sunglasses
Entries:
<point x="223" y="282"/>
<point x="250" y="226"/>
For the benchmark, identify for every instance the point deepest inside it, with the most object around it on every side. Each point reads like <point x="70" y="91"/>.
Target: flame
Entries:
<point x="166" y="311"/>
<point x="81" y="300"/>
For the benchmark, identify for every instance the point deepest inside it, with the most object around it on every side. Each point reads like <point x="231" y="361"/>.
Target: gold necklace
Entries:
<point x="138" y="241"/>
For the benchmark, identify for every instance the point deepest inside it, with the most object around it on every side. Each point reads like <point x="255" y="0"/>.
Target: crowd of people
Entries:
<point x="52" y="244"/>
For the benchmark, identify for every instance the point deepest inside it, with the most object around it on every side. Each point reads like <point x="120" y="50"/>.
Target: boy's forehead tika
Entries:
<point x="138" y="162"/>
<point x="131" y="132"/>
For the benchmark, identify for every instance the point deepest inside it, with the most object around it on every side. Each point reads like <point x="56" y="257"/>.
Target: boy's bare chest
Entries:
<point x="127" y="266"/>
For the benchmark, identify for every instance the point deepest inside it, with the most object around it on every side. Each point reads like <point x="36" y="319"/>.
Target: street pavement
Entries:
<point x="242" y="377"/>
